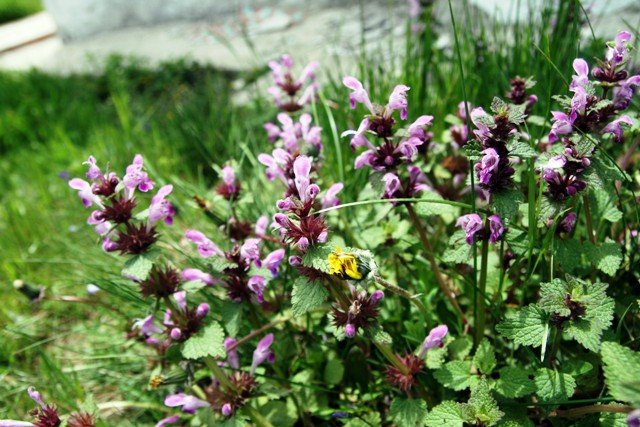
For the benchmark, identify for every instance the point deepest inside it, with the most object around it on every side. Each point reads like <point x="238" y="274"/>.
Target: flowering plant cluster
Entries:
<point x="463" y="284"/>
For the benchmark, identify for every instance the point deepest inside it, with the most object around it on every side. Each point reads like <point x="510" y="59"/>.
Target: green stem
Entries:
<point x="591" y="409"/>
<point x="217" y="372"/>
<point x="422" y="233"/>
<point x="481" y="309"/>
<point x="555" y="345"/>
<point x="404" y="293"/>
<point x="587" y="214"/>
<point x="257" y="418"/>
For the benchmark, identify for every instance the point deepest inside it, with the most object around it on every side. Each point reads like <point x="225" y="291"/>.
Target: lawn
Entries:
<point x="190" y="120"/>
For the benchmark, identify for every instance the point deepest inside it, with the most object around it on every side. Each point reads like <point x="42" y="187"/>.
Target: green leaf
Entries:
<point x="613" y="419"/>
<point x="521" y="149"/>
<point x="552" y="297"/>
<point x="455" y="374"/>
<point x="485" y="357"/>
<point x="604" y="206"/>
<point x="317" y="257"/>
<point x="438" y="209"/>
<point x="379" y="335"/>
<point x="460" y="347"/>
<point x="208" y="342"/>
<point x="553" y="385"/>
<point x="446" y="414"/>
<point x="517" y="241"/>
<point x="138" y="267"/>
<point x="621" y="367"/>
<point x="217" y="264"/>
<point x="607" y="257"/>
<point x="498" y="105"/>
<point x="506" y="203"/>
<point x="568" y="254"/>
<point x="458" y="252"/>
<point x="515" y="382"/>
<point x="525" y="327"/>
<point x="549" y="208"/>
<point x="333" y="371"/>
<point x="408" y="412"/>
<point x="485" y="407"/>
<point x="307" y="295"/>
<point x="232" y="317"/>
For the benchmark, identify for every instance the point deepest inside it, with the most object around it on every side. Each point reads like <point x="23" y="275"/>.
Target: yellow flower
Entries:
<point x="344" y="265"/>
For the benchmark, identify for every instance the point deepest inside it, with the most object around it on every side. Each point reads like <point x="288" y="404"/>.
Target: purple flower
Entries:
<point x="330" y="198"/>
<point x="633" y="418"/>
<point x="579" y="100"/>
<point x="358" y="94"/>
<point x="263" y="352"/>
<point x="618" y="52"/>
<point x="168" y="420"/>
<point x="261" y="226"/>
<point x="414" y="9"/>
<point x="496" y="228"/>
<point x="623" y="93"/>
<point x="359" y="140"/>
<point x="14" y="423"/>
<point x="562" y="124"/>
<point x="276" y="164"/>
<point x="582" y="73"/>
<point x="398" y="100"/>
<point x="94" y="171"/>
<point x="232" y="353"/>
<point x="434" y="339"/>
<point x="206" y="247"/>
<point x="391" y="185"/>
<point x="136" y="177"/>
<point x="202" y="310"/>
<point x="256" y="284"/>
<point x="180" y="298"/>
<point x="250" y="250"/>
<point x="350" y="330"/>
<point x="147" y="326"/>
<point x="85" y="192"/>
<point x="285" y="84"/>
<point x="307" y="192"/>
<point x="615" y="127"/>
<point x="273" y="260"/>
<point x="488" y="165"/>
<point x="229" y="176"/>
<point x="193" y="274"/>
<point x="377" y="295"/>
<point x="189" y="403"/>
<point x="471" y="224"/>
<point x="160" y="208"/>
<point x="226" y="410"/>
<point x="36" y="396"/>
<point x="567" y="224"/>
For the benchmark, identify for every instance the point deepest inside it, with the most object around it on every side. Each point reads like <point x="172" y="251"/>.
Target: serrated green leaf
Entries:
<point x="446" y="414"/>
<point x="208" y="342"/>
<point x="216" y="265"/>
<point x="525" y="327"/>
<point x="515" y="382"/>
<point x="455" y="374"/>
<point x="379" y="335"/>
<point x="435" y="357"/>
<point x="138" y="267"/>
<point x="485" y="407"/>
<point x="317" y="257"/>
<point x="307" y="295"/>
<point x="549" y="208"/>
<point x="517" y="241"/>
<point x="521" y="149"/>
<point x="498" y="105"/>
<point x="506" y="203"/>
<point x="485" y="357"/>
<point x="613" y="419"/>
<point x="568" y="254"/>
<point x="552" y="296"/>
<point x="460" y="347"/>
<point x="438" y="209"/>
<point x="552" y="385"/>
<point x="603" y="206"/>
<point x="607" y="257"/>
<point x="408" y="412"/>
<point x="621" y="367"/>
<point x="231" y="317"/>
<point x="458" y="251"/>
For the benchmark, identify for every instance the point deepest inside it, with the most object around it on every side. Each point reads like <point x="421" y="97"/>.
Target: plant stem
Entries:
<point x="555" y="345"/>
<point x="404" y="293"/>
<point x="481" y="309"/>
<point x="434" y="264"/>
<point x="257" y="418"/>
<point x="584" y="410"/>
<point x="587" y="214"/>
<point x="217" y="372"/>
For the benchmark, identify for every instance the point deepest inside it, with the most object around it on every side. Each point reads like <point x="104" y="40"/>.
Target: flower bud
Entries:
<point x="295" y="260"/>
<point x="202" y="310"/>
<point x="377" y="296"/>
<point x="350" y="330"/>
<point x="227" y="410"/>
<point x="175" y="334"/>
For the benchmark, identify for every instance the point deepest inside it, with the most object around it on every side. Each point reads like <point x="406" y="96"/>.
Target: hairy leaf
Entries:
<point x="526" y="327"/>
<point x="307" y="295"/>
<point x="208" y="342"/>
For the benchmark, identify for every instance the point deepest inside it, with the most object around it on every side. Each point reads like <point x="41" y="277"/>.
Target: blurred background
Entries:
<point x="184" y="83"/>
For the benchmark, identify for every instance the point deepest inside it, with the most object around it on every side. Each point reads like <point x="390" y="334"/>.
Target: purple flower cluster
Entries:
<point x="229" y="187"/>
<point x="494" y="171"/>
<point x="518" y="94"/>
<point x="223" y="400"/>
<point x="390" y="153"/>
<point x="286" y="89"/>
<point x="476" y="229"/>
<point x="115" y="201"/>
<point x="237" y="278"/>
<point x="295" y="137"/>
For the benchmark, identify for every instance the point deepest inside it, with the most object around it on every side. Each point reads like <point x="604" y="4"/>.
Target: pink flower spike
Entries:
<point x="36" y="396"/>
<point x="189" y="403"/>
<point x="193" y="274"/>
<point x="359" y="94"/>
<point x="434" y="339"/>
<point x="206" y="247"/>
<point x="273" y="260"/>
<point x="262" y="352"/>
<point x="136" y="177"/>
<point x="180" y="298"/>
<point x="232" y="354"/>
<point x="169" y="420"/>
<point x="85" y="192"/>
<point x="398" y="100"/>
<point x="256" y="284"/>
